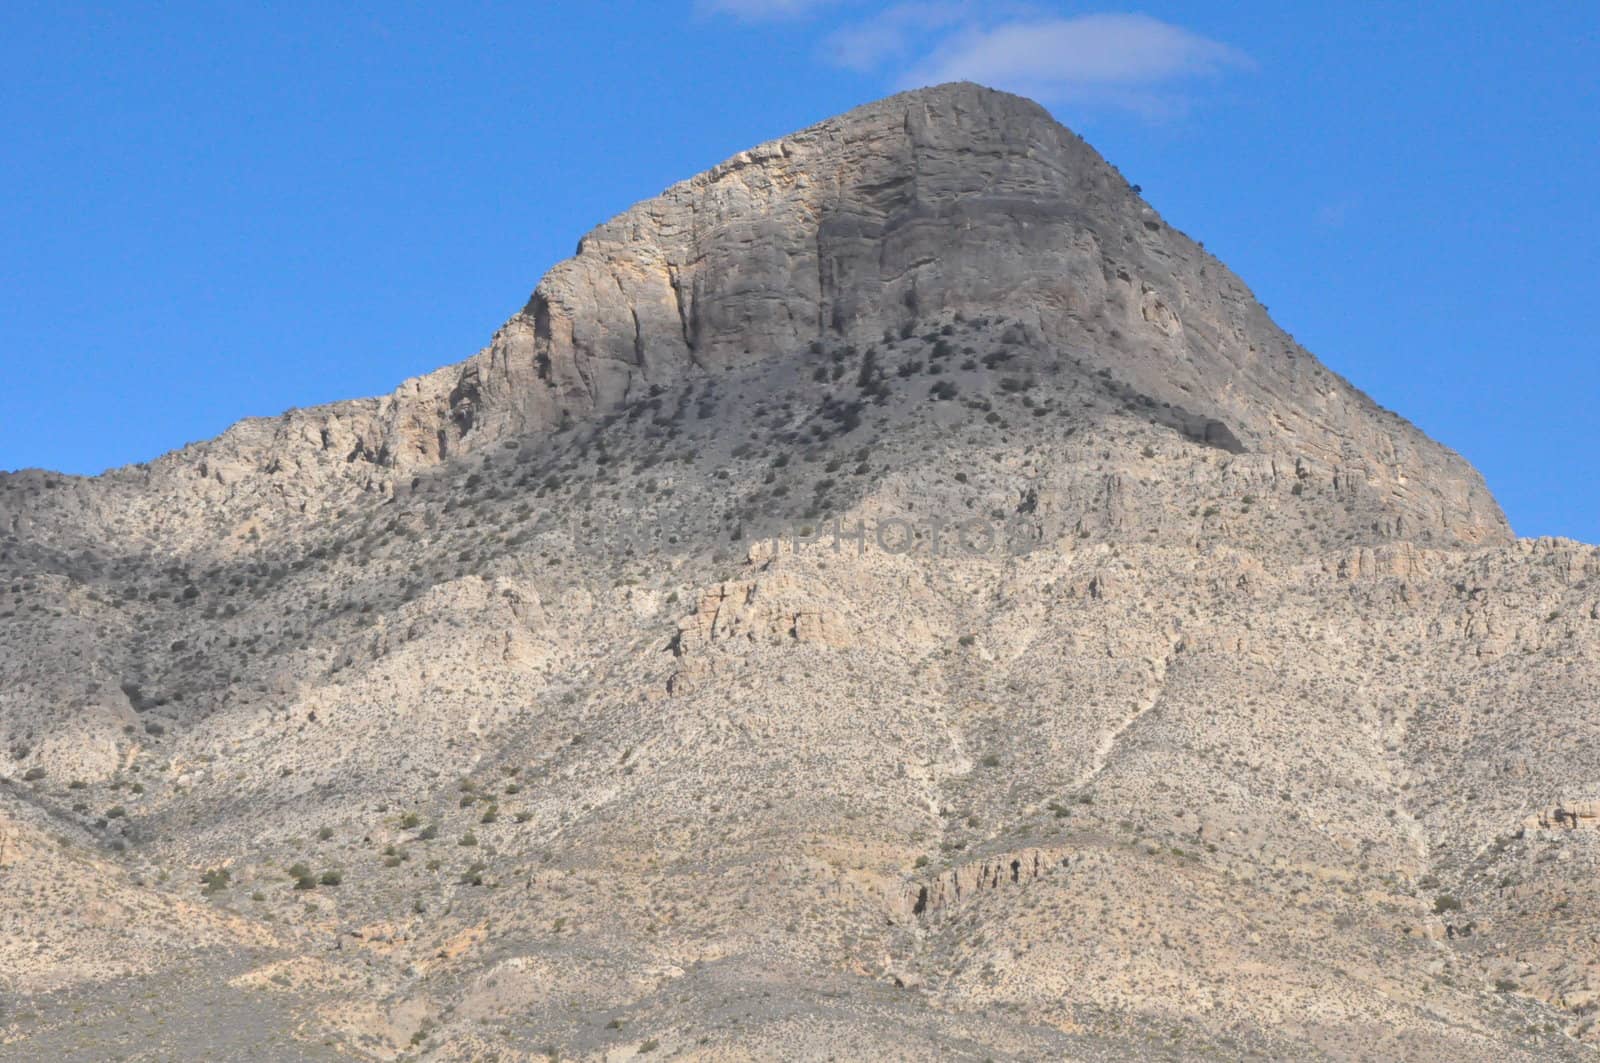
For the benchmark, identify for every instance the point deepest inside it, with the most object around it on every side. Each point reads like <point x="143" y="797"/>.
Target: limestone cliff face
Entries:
<point x="955" y="199"/>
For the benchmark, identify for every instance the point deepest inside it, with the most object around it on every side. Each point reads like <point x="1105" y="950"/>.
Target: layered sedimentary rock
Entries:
<point x="951" y="200"/>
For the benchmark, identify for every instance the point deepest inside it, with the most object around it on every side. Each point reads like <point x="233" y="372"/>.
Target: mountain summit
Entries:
<point x="889" y="596"/>
<point x="950" y="200"/>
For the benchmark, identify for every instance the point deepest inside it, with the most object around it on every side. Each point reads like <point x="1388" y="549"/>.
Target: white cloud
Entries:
<point x="1127" y="60"/>
<point x="892" y="34"/>
<point x="1133" y="62"/>
<point x="755" y="10"/>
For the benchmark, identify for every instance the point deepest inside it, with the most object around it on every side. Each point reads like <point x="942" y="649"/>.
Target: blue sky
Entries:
<point x="214" y="211"/>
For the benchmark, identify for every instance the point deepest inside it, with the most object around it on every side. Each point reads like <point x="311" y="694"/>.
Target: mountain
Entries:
<point x="889" y="596"/>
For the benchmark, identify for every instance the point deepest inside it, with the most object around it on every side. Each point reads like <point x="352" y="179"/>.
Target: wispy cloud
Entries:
<point x="894" y="34"/>
<point x="1131" y="61"/>
<point x="757" y="10"/>
<point x="1127" y="61"/>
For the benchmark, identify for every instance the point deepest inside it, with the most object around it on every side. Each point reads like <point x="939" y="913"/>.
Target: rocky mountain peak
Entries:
<point x="902" y="215"/>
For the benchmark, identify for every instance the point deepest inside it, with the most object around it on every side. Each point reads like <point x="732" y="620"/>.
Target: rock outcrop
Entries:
<point x="1574" y="815"/>
<point x="966" y="881"/>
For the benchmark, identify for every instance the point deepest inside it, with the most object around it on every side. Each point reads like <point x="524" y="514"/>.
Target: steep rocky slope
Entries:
<point x="891" y="596"/>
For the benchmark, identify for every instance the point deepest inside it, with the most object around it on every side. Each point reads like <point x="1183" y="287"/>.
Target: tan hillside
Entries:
<point x="889" y="597"/>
